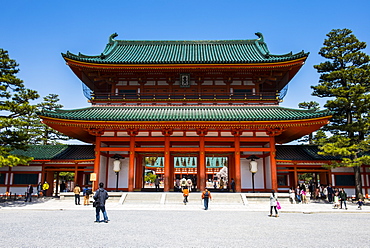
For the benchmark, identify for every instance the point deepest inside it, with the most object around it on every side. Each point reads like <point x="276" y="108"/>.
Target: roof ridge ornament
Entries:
<point x="111" y="38"/>
<point x="260" y="36"/>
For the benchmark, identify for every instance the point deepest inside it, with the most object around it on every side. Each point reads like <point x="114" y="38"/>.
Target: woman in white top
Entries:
<point x="273" y="203"/>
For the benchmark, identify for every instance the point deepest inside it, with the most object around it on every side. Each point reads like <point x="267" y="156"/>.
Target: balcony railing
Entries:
<point x="188" y="96"/>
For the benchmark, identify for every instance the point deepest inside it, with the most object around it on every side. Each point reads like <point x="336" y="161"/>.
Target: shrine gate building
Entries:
<point x="186" y="109"/>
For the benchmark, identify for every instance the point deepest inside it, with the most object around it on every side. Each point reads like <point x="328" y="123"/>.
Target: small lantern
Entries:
<point x="253" y="166"/>
<point x="116" y="166"/>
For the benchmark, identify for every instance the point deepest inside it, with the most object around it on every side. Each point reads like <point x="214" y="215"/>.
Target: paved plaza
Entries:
<point x="55" y="223"/>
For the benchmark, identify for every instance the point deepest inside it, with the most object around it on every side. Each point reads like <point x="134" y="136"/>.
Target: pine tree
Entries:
<point x="14" y="108"/>
<point x="345" y="79"/>
<point x="47" y="135"/>
<point x="314" y="106"/>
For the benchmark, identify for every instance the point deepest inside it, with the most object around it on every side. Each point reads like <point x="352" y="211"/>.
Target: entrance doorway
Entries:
<point x="184" y="172"/>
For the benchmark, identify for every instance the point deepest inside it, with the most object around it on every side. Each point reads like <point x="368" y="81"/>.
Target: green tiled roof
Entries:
<point x="58" y="152"/>
<point x="76" y="152"/>
<point x="185" y="113"/>
<point x="185" y="52"/>
<point x="300" y="152"/>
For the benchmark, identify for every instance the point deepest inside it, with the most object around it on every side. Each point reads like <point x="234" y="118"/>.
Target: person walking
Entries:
<point x="77" y="191"/>
<point x="29" y="193"/>
<point x="86" y="194"/>
<point x="39" y="189"/>
<point x="62" y="187"/>
<point x="189" y="184"/>
<point x="292" y="195"/>
<point x="156" y="183"/>
<point x="45" y="188"/>
<point x="303" y="196"/>
<point x="343" y="199"/>
<point x="206" y="196"/>
<point x="183" y="183"/>
<point x="185" y="193"/>
<point x="233" y="185"/>
<point x="330" y="193"/>
<point x="273" y="203"/>
<point x="100" y="197"/>
<point x="298" y="194"/>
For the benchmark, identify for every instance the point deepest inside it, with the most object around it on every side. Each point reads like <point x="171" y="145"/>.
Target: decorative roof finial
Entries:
<point x="112" y="36"/>
<point x="260" y="36"/>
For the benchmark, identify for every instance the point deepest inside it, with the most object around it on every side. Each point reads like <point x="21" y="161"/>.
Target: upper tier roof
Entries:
<point x="185" y="52"/>
<point x="185" y="113"/>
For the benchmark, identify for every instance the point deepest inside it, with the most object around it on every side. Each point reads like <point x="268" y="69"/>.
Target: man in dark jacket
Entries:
<point x="101" y="196"/>
<point x="343" y="198"/>
<point x="29" y="193"/>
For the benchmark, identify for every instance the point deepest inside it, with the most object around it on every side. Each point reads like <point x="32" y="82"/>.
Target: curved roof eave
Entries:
<point x="187" y="52"/>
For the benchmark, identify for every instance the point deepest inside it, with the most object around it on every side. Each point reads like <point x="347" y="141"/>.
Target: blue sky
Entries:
<point x="36" y="33"/>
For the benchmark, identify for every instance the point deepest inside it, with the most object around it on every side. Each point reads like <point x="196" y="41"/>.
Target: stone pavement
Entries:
<point x="194" y="204"/>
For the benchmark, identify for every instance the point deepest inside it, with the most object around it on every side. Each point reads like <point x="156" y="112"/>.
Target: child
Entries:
<point x="360" y="203"/>
<point x="336" y="200"/>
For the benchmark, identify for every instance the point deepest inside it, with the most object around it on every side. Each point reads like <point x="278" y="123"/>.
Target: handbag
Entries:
<point x="96" y="204"/>
<point x="278" y="205"/>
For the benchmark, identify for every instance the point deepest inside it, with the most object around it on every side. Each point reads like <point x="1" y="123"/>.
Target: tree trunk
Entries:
<point x="358" y="181"/>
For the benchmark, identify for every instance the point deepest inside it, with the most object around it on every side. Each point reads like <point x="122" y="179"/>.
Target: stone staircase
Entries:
<point x="176" y="198"/>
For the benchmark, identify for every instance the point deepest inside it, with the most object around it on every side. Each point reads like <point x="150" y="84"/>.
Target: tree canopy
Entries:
<point x="15" y="106"/>
<point x="345" y="80"/>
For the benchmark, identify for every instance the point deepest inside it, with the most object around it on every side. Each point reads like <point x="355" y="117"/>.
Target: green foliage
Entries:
<point x="15" y="108"/>
<point x="149" y="177"/>
<point x="314" y="106"/>
<point x="319" y="137"/>
<point x="345" y="80"/>
<point x="45" y="134"/>
<point x="67" y="176"/>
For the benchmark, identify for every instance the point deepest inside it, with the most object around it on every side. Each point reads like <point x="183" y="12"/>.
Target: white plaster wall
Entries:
<point x="2" y="190"/>
<point x="19" y="190"/>
<point x="27" y="168"/>
<point x="342" y="169"/>
<point x="102" y="171"/>
<point x="122" y="176"/>
<point x="5" y="168"/>
<point x="246" y="175"/>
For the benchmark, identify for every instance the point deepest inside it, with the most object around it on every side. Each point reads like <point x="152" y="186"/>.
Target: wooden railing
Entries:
<point x="187" y="96"/>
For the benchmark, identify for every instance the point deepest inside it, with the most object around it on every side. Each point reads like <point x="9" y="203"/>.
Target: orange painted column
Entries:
<point x="273" y="164"/>
<point x="97" y="162"/>
<point x="131" y="166"/>
<point x="168" y="182"/>
<point x="202" y="163"/>
<point x="295" y="176"/>
<point x="237" y="170"/>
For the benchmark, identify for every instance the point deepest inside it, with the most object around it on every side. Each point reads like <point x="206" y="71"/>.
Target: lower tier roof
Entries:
<point x="85" y="152"/>
<point x="185" y="113"/>
<point x="293" y="123"/>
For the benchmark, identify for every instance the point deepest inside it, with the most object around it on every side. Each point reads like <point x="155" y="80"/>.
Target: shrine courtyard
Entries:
<point x="179" y="228"/>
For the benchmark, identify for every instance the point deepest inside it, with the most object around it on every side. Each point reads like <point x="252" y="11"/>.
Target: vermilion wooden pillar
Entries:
<point x="167" y="164"/>
<point x="273" y="164"/>
<point x="295" y="176"/>
<point x="97" y="162"/>
<point x="131" y="166"/>
<point x="202" y="163"/>
<point x="238" y="187"/>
